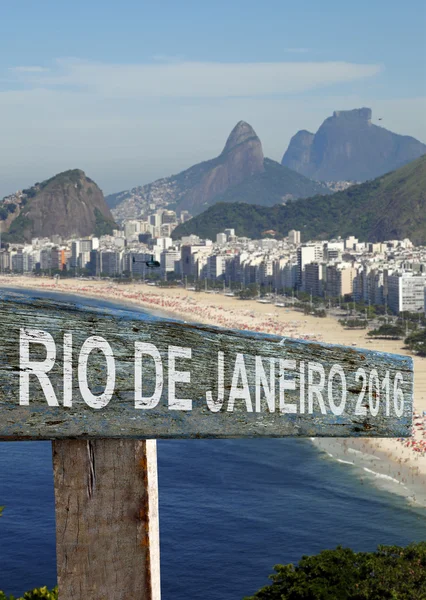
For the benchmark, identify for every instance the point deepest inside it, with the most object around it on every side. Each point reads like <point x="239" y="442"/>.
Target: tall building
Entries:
<point x="5" y="263"/>
<point x="155" y="220"/>
<point x="314" y="279"/>
<point x="294" y="237"/>
<point x="170" y="260"/>
<point x="406" y="292"/>
<point x="340" y="280"/>
<point x="168" y="216"/>
<point x="131" y="228"/>
<point x="221" y="239"/>
<point x="216" y="266"/>
<point x="111" y="263"/>
<point x="75" y="252"/>
<point x="163" y="243"/>
<point x="307" y="253"/>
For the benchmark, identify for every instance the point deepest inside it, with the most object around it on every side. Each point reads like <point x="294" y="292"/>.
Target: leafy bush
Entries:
<point x="30" y="192"/>
<point x="417" y="342"/>
<point x="354" y="323"/>
<point x="390" y="573"/>
<point x="36" y="594"/>
<point x="393" y="332"/>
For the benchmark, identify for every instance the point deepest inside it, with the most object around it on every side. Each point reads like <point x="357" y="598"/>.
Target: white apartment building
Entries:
<point x="170" y="260"/>
<point x="307" y="253"/>
<point x="406" y="292"/>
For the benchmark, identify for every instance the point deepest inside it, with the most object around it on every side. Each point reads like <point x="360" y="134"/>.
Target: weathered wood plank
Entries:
<point x="107" y="531"/>
<point x="375" y="389"/>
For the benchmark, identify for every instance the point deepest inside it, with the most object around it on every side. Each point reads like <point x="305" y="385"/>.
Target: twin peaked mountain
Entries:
<point x="239" y="173"/>
<point x="347" y="147"/>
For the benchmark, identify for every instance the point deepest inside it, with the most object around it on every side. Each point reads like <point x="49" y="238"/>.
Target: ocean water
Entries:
<point x="229" y="511"/>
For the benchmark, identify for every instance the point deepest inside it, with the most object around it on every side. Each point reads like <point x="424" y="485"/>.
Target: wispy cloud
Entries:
<point x="185" y="79"/>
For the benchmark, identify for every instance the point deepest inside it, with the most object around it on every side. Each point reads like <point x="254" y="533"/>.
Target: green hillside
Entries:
<point x="390" y="207"/>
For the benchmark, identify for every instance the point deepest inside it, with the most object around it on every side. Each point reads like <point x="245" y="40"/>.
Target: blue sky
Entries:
<point x="130" y="91"/>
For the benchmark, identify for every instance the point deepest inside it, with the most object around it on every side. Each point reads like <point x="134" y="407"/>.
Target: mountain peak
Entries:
<point x="360" y="114"/>
<point x="349" y="147"/>
<point x="67" y="204"/>
<point x="241" y="133"/>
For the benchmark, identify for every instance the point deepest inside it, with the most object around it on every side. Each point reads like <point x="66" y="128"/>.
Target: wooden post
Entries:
<point x="107" y="530"/>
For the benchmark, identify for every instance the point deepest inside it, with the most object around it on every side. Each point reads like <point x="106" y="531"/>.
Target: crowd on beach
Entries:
<point x="186" y="305"/>
<point x="418" y="442"/>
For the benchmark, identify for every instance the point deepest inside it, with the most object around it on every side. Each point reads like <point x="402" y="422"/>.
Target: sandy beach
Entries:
<point x="408" y="457"/>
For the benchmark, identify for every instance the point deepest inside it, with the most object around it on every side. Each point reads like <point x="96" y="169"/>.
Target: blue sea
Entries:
<point x="229" y="511"/>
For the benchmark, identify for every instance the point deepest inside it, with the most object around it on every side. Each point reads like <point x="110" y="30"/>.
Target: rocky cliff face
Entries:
<point x="68" y="204"/>
<point x="241" y="158"/>
<point x="348" y="146"/>
<point x="190" y="190"/>
<point x="240" y="170"/>
<point x="298" y="155"/>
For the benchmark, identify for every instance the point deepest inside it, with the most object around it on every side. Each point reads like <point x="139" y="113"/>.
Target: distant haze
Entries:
<point x="128" y="150"/>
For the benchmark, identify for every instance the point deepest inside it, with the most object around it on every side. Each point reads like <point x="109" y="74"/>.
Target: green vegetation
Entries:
<point x="392" y="332"/>
<point x="103" y="226"/>
<point x="31" y="192"/>
<point x="316" y="312"/>
<point x="18" y="228"/>
<point x="6" y="210"/>
<point x="36" y="594"/>
<point x="416" y="342"/>
<point x="390" y="573"/>
<point x="249" y="292"/>
<point x="390" y="207"/>
<point x="354" y="323"/>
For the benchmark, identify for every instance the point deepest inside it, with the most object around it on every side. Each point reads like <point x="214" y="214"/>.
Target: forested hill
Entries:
<point x="390" y="207"/>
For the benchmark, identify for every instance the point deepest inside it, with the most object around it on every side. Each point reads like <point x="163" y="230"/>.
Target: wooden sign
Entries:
<point x="67" y="372"/>
<point x="82" y="376"/>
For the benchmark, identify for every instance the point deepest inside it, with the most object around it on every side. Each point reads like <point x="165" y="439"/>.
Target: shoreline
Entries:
<point x="232" y="313"/>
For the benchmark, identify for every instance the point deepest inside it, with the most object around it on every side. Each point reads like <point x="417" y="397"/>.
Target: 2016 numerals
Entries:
<point x="378" y="391"/>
